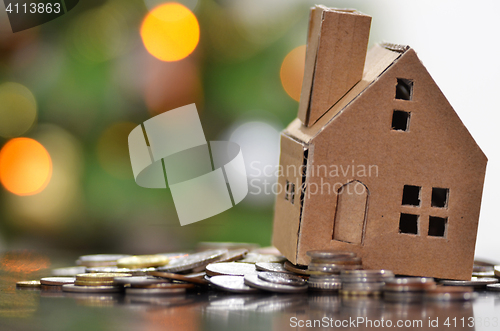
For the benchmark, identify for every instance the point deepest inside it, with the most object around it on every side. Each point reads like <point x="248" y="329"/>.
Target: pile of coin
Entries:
<point x="242" y="268"/>
<point x="364" y="282"/>
<point x="408" y="289"/>
<point x="326" y="266"/>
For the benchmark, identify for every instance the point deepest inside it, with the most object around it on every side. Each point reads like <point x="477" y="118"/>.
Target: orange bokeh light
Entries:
<point x="170" y="32"/>
<point x="25" y="166"/>
<point x="292" y="72"/>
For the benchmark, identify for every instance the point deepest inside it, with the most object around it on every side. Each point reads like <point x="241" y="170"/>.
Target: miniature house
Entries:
<point x="377" y="162"/>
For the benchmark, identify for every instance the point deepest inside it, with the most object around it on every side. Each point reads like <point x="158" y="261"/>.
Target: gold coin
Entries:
<point x="142" y="261"/>
<point x="94" y="283"/>
<point x="29" y="283"/>
<point x="100" y="276"/>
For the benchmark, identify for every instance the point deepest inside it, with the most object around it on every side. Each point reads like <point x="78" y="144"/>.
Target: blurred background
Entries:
<point x="72" y="89"/>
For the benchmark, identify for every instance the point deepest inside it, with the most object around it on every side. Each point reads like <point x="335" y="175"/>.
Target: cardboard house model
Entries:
<point x="377" y="162"/>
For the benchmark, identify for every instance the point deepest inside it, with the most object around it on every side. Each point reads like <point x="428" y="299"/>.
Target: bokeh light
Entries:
<point x="170" y="32"/>
<point x="292" y="71"/>
<point x="18" y="109"/>
<point x="259" y="142"/>
<point x="100" y="34"/>
<point x="24" y="261"/>
<point x="112" y="150"/>
<point x="62" y="199"/>
<point x="152" y="4"/>
<point x="25" y="166"/>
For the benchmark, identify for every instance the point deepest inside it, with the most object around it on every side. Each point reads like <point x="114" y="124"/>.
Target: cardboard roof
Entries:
<point x="378" y="59"/>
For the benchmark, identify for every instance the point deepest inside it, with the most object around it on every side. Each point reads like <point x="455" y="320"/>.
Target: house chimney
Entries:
<point x="335" y="59"/>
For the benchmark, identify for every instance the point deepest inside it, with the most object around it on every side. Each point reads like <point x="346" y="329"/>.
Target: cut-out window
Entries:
<point x="411" y="195"/>
<point x="290" y="192"/>
<point x="437" y="226"/>
<point x="408" y="223"/>
<point x="404" y="89"/>
<point x="287" y="189"/>
<point x="400" y="120"/>
<point x="439" y="197"/>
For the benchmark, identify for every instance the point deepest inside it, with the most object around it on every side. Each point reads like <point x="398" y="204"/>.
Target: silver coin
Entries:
<point x="193" y="261"/>
<point x="253" y="280"/>
<point x="282" y="278"/>
<point x="154" y="291"/>
<point x="271" y="266"/>
<point x="234" y="255"/>
<point x="330" y="254"/>
<point x="257" y="257"/>
<point x="57" y="281"/>
<point x="316" y="283"/>
<point x="234" y="284"/>
<point x="230" y="269"/>
<point x="475" y="282"/>
<point x="136" y="281"/>
<point x="411" y="281"/>
<point x="68" y="271"/>
<point x="91" y="289"/>
<point x="332" y="268"/>
<point x="493" y="287"/>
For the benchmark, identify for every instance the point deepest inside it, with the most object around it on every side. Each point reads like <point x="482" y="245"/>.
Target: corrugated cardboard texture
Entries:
<point x="287" y="214"/>
<point x="335" y="59"/>
<point x="436" y="151"/>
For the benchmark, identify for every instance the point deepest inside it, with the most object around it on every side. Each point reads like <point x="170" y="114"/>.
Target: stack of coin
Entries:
<point x="95" y="283"/>
<point x="483" y="269"/>
<point x="409" y="289"/>
<point x="326" y="266"/>
<point x="55" y="283"/>
<point x="364" y="282"/>
<point x="332" y="262"/>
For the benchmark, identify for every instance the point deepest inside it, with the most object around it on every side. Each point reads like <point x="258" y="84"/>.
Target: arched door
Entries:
<point x="350" y="216"/>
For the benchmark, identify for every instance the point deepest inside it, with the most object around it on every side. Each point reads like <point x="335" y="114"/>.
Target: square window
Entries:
<point x="404" y="89"/>
<point x="411" y="195"/>
<point x="400" y="120"/>
<point x="408" y="223"/>
<point x="439" y="197"/>
<point x="437" y="226"/>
